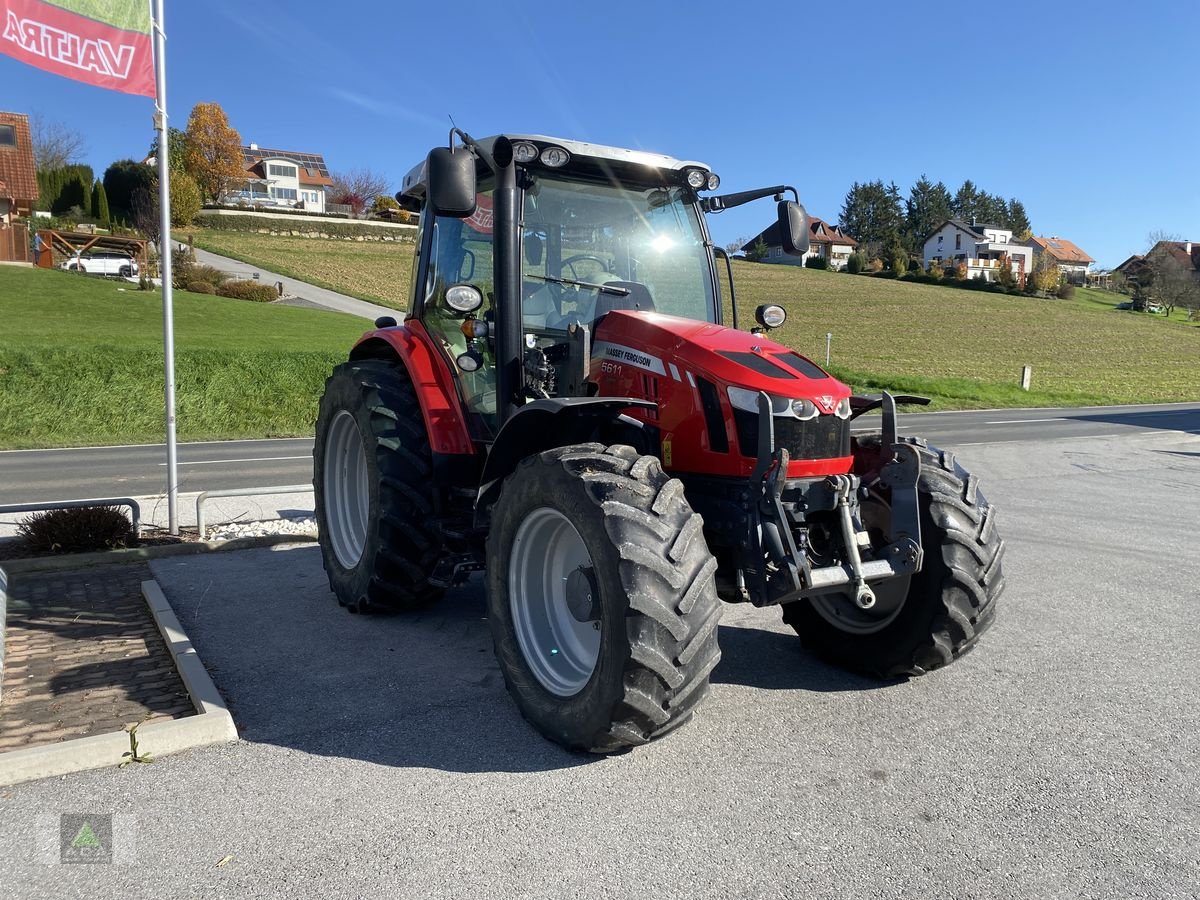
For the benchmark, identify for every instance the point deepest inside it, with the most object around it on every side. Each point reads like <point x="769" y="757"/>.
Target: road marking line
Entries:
<point x="217" y="462"/>
<point x="1026" y="421"/>
<point x="156" y="447"/>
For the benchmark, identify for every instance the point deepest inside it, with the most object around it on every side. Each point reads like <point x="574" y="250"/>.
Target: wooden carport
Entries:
<point x="69" y="243"/>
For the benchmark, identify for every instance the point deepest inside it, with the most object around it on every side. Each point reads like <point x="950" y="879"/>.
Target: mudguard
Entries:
<point x="432" y="379"/>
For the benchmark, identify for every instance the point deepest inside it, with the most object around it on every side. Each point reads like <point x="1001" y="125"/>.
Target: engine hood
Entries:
<point x="725" y="355"/>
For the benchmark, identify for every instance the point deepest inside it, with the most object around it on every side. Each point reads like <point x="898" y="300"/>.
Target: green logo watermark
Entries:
<point x="85" y="838"/>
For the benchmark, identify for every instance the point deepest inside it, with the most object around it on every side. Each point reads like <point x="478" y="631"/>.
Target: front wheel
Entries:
<point x="943" y="609"/>
<point x="601" y="597"/>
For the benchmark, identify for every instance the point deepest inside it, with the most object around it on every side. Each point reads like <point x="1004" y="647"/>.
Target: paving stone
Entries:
<point x="83" y="656"/>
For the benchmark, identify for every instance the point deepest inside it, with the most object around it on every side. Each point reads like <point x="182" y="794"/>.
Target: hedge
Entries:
<point x="320" y="228"/>
<point x="248" y="290"/>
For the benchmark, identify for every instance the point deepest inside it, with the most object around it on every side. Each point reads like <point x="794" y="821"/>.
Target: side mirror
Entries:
<point x="451" y="175"/>
<point x="793" y="228"/>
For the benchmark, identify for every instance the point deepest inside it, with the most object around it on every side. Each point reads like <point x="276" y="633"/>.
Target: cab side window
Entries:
<point x="461" y="253"/>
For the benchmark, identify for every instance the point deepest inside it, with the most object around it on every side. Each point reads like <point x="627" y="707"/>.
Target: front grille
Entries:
<point x="825" y="437"/>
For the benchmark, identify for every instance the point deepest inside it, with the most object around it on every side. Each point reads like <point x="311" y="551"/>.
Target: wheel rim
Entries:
<point x="347" y="496"/>
<point x="560" y="650"/>
<point x="841" y="611"/>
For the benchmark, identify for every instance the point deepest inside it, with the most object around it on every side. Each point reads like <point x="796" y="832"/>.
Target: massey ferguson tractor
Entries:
<point x="565" y="409"/>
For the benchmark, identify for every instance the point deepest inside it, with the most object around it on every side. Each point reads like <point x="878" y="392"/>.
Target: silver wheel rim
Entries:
<point x="560" y="650"/>
<point x="347" y="497"/>
<point x="841" y="611"/>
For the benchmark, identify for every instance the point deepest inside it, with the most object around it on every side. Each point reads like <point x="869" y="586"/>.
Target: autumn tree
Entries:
<point x="1171" y="284"/>
<point x="213" y="150"/>
<point x="1046" y="274"/>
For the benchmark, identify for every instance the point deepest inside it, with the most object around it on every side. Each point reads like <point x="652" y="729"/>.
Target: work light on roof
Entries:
<point x="713" y="181"/>
<point x="555" y="157"/>
<point x="697" y="178"/>
<point x="524" y="152"/>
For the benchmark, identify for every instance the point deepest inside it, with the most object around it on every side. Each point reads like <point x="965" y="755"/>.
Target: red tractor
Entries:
<point x="564" y="408"/>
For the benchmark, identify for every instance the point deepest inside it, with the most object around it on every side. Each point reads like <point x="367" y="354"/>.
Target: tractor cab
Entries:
<point x="516" y="278"/>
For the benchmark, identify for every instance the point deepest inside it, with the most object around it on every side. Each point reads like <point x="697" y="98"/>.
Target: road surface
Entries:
<point x="27" y="476"/>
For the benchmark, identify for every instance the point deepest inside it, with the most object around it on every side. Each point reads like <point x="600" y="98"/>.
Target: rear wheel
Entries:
<point x="941" y="611"/>
<point x="375" y="500"/>
<point x="601" y="597"/>
<point x="125" y="271"/>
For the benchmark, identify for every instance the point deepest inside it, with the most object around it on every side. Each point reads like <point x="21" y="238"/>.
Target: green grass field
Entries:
<point x="375" y="271"/>
<point x="81" y="363"/>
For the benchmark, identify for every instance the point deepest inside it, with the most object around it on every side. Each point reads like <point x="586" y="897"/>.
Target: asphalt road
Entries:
<point x="382" y="756"/>
<point x="27" y="476"/>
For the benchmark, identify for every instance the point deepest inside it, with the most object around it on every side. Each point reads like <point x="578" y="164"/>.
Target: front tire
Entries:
<point x="375" y="500"/>
<point x="949" y="603"/>
<point x="601" y="597"/>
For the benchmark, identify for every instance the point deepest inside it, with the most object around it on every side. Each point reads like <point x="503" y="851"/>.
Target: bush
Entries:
<point x="875" y="265"/>
<point x="935" y="270"/>
<point x="899" y="262"/>
<point x="248" y="290"/>
<point x="76" y="530"/>
<point x="383" y="203"/>
<point x="209" y="274"/>
<point x="201" y="287"/>
<point x="816" y="262"/>
<point x="855" y="263"/>
<point x="1066" y="291"/>
<point x="185" y="199"/>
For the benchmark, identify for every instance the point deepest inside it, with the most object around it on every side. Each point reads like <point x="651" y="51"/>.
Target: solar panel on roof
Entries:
<point x="1056" y="245"/>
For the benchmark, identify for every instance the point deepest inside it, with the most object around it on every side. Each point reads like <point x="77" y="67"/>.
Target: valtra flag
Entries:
<point x="101" y="42"/>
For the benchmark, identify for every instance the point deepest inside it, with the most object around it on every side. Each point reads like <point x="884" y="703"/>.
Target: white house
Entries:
<point x="983" y="248"/>
<point x="1072" y="262"/>
<point x="282" y="178"/>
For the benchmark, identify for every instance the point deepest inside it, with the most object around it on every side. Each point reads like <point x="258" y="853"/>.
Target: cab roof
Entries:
<point x="620" y="159"/>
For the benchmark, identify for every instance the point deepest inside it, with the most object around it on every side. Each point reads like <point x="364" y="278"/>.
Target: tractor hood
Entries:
<point x="705" y="380"/>
<point x="661" y="344"/>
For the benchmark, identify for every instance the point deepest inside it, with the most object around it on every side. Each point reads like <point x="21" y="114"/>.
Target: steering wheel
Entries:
<point x="569" y="263"/>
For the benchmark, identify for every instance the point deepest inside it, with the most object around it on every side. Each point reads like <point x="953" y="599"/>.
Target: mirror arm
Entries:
<point x="729" y="201"/>
<point x="475" y="146"/>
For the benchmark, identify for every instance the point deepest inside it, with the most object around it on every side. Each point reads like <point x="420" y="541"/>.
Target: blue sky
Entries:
<point x="1086" y="112"/>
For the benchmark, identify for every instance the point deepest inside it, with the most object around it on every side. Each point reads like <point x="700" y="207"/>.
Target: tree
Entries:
<point x="213" y="150"/>
<point x="1171" y="284"/>
<point x="758" y="251"/>
<point x="1045" y="274"/>
<point x="1018" y="220"/>
<point x="55" y="145"/>
<point x="966" y="201"/>
<point x="144" y="212"/>
<point x="928" y="205"/>
<point x="122" y="180"/>
<point x="100" y="211"/>
<point x="357" y="187"/>
<point x="872" y="215"/>
<point x="177" y="149"/>
<point x="185" y="198"/>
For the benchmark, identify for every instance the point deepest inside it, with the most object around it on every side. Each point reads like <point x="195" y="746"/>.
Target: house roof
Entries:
<point x="820" y="232"/>
<point x="1060" y="249"/>
<point x="18" y="172"/>
<point x="978" y="230"/>
<point x="1186" y="253"/>
<point x="312" y="165"/>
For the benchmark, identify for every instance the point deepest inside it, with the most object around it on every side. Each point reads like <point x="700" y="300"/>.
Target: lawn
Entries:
<point x="963" y="348"/>
<point x="81" y="363"/>
<point x="380" y="272"/>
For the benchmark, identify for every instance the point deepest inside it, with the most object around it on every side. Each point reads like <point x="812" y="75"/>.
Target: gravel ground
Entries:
<point x="383" y="755"/>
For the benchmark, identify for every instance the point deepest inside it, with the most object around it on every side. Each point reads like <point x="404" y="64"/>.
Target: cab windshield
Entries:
<point x="589" y="248"/>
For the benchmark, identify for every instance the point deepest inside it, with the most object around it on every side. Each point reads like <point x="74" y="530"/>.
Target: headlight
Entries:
<point x="697" y="178"/>
<point x="770" y="316"/>
<point x="555" y="157"/>
<point x="713" y="181"/>
<point x="804" y="410"/>
<point x="843" y="409"/>
<point x="524" y="152"/>
<point x="464" y="298"/>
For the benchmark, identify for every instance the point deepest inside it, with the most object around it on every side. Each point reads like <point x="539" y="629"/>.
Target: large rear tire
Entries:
<point x="949" y="603"/>
<point x="601" y="597"/>
<point x="375" y="500"/>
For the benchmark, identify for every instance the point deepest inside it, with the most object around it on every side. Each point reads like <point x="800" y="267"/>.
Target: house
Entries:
<point x="18" y="171"/>
<point x="1071" y="261"/>
<point x="282" y="178"/>
<point x="1186" y="253"/>
<point x="824" y="240"/>
<point x="983" y="248"/>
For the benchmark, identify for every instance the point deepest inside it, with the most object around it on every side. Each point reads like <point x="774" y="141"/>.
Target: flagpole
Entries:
<point x="164" y="254"/>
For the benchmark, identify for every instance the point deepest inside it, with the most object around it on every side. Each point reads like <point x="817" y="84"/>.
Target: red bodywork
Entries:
<point x="647" y="356"/>
<point x="659" y="358"/>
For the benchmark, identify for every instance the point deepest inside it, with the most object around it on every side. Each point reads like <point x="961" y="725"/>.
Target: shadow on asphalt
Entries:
<point x="418" y="690"/>
<point x="1161" y="419"/>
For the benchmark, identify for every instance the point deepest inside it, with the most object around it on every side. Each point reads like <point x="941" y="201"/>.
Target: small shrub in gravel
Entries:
<point x="76" y="530"/>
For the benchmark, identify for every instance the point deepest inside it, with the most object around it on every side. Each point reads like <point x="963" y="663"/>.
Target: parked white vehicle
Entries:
<point x="102" y="262"/>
